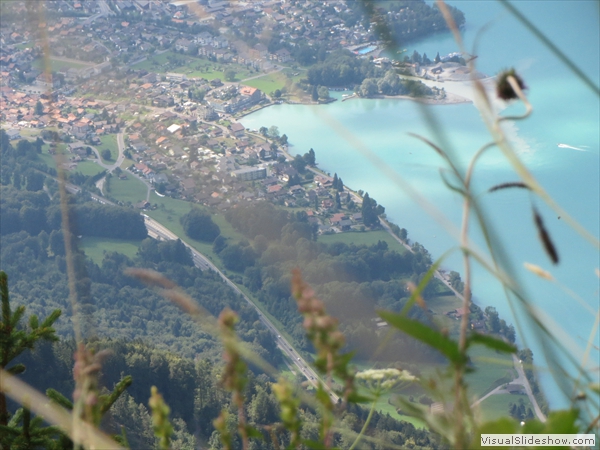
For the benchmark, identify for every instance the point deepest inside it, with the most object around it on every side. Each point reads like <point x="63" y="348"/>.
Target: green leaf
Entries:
<point x="110" y="399"/>
<point x="254" y="433"/>
<point x="322" y="396"/>
<point x="16" y="369"/>
<point x="6" y="431"/>
<point x="491" y="342"/>
<point x="51" y="318"/>
<point x="33" y="321"/>
<point x="16" y="316"/>
<point x="500" y="426"/>
<point x="425" y="334"/>
<point x="424" y="282"/>
<point x="562" y="422"/>
<point x="59" y="398"/>
<point x="533" y="426"/>
<point x="357" y="398"/>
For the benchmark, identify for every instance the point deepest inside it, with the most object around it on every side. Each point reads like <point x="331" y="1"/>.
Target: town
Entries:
<point x="161" y="95"/>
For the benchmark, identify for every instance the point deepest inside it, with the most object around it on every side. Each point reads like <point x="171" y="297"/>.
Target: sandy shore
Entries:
<point x="465" y="90"/>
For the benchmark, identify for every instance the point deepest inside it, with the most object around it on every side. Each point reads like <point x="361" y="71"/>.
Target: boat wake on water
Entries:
<point x="572" y="147"/>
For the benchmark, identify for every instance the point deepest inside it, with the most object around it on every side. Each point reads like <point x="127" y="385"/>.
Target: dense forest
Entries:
<point x="342" y="68"/>
<point x="195" y="396"/>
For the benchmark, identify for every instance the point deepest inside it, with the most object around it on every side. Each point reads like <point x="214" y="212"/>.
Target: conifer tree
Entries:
<point x="14" y="340"/>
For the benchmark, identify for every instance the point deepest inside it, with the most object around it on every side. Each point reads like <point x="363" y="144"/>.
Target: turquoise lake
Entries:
<point x="366" y="143"/>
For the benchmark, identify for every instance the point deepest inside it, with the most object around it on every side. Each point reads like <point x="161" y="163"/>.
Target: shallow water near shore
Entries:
<point x="565" y="111"/>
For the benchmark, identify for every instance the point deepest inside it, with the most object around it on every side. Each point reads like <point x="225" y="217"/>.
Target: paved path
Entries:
<point x="493" y="392"/>
<point x="111" y="167"/>
<point x="522" y="380"/>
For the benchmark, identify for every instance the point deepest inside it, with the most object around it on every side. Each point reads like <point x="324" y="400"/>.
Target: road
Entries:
<point x="158" y="231"/>
<point x="110" y="167"/>
<point x="522" y="380"/>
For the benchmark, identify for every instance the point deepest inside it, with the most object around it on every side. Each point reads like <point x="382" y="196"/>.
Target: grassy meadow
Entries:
<point x="58" y="65"/>
<point x="109" y="141"/>
<point x="191" y="66"/>
<point x="130" y="190"/>
<point x="96" y="247"/>
<point x="363" y="238"/>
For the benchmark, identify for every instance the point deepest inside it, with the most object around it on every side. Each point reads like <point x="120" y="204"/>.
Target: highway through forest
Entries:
<point x="158" y="231"/>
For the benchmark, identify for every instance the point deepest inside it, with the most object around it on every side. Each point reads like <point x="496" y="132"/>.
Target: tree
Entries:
<point x="35" y="180"/>
<point x="437" y="58"/>
<point x="106" y="154"/>
<point x="334" y="183"/>
<point x="294" y="180"/>
<point x="39" y="108"/>
<point x="310" y="158"/>
<point x="493" y="320"/>
<point x="277" y="93"/>
<point x="264" y="131"/>
<point x="199" y="225"/>
<point x="323" y="93"/>
<point x="274" y="132"/>
<point x="315" y="94"/>
<point x="368" y="88"/>
<point x="230" y="75"/>
<point x="340" y="185"/>
<point x="14" y="340"/>
<point x="368" y="211"/>
<point x="338" y="202"/>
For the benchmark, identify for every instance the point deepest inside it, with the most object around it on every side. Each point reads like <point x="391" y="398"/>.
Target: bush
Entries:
<point x="199" y="225"/>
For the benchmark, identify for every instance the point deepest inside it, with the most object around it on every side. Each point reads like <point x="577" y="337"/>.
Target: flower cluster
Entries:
<point x="380" y="380"/>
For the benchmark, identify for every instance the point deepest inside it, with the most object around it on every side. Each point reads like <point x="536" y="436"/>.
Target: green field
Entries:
<point x="170" y="210"/>
<point x="56" y="65"/>
<point x="127" y="163"/>
<point x="191" y="66"/>
<point x="89" y="168"/>
<point x="110" y="142"/>
<point x="490" y="367"/>
<point x="363" y="238"/>
<point x="95" y="247"/>
<point x="496" y="406"/>
<point x="269" y="83"/>
<point x="130" y="190"/>
<point x="47" y="158"/>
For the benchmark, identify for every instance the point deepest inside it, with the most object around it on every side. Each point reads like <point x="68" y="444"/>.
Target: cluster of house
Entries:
<point x="232" y="98"/>
<point x="229" y="167"/>
<point x="477" y="325"/>
<point x="73" y="116"/>
<point x="94" y="40"/>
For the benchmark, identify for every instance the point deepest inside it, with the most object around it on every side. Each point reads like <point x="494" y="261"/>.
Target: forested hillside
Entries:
<point x="196" y="396"/>
<point x="352" y="280"/>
